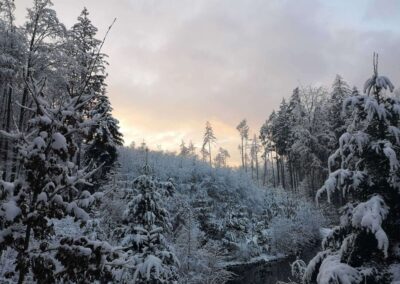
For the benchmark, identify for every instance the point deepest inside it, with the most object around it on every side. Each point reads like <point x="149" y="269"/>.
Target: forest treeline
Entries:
<point x="292" y="147"/>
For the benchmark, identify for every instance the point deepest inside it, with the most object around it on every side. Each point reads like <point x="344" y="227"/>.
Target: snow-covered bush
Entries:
<point x="292" y="233"/>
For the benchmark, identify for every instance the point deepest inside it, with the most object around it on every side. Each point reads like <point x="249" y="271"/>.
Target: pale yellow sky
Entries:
<point x="174" y="64"/>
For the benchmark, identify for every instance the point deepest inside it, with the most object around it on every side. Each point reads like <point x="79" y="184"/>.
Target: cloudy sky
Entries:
<point x="174" y="64"/>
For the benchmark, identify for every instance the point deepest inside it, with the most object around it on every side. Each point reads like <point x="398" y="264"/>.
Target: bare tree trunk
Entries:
<point x="189" y="240"/>
<point x="257" y="173"/>
<point x="273" y="170"/>
<point x="22" y="254"/>
<point x="289" y="163"/>
<point x="265" y="169"/>
<point x="7" y="128"/>
<point x="278" y="170"/>
<point x="3" y="114"/>
<point x="28" y="72"/>
<point x="245" y="156"/>
<point x="242" y="152"/>
<point x="283" y="172"/>
<point x="209" y="152"/>
<point x="312" y="183"/>
<point x="252" y="167"/>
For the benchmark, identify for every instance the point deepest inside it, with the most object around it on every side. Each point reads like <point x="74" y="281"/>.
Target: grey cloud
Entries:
<point x="230" y="59"/>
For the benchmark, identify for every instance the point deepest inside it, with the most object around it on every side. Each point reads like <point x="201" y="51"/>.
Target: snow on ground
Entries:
<point x="66" y="227"/>
<point x="258" y="259"/>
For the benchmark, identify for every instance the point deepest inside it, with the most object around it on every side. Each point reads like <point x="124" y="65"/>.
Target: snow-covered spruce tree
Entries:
<point x="47" y="189"/>
<point x="146" y="220"/>
<point x="88" y="69"/>
<point x="281" y="134"/>
<point x="310" y="139"/>
<point x="295" y="114"/>
<point x="336" y="117"/>
<point x="104" y="138"/>
<point x="364" y="246"/>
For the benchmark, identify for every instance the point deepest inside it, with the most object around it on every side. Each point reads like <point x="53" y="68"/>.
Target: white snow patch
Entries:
<point x="370" y="215"/>
<point x="59" y="141"/>
<point x="333" y="271"/>
<point x="11" y="210"/>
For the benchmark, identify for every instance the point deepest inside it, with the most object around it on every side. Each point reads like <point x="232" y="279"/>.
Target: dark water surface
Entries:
<point x="269" y="272"/>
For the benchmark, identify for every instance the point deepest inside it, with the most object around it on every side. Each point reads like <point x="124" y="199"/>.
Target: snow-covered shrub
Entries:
<point x="291" y="234"/>
<point x="298" y="268"/>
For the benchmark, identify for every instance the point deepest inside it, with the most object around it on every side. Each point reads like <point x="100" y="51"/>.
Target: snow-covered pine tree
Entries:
<point x="363" y="248"/>
<point x="309" y="139"/>
<point x="221" y="157"/>
<point x="192" y="150"/>
<point x="336" y="117"/>
<point x="243" y="129"/>
<point x="254" y="150"/>
<point x="184" y="150"/>
<point x="267" y="142"/>
<point x="295" y="114"/>
<point x="88" y="70"/>
<point x="47" y="189"/>
<point x="103" y="138"/>
<point x="146" y="222"/>
<point x="204" y="153"/>
<point x="87" y="62"/>
<point x="281" y="134"/>
<point x="208" y="139"/>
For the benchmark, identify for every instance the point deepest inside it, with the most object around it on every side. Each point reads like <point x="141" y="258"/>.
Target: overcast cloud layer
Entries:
<point x="176" y="64"/>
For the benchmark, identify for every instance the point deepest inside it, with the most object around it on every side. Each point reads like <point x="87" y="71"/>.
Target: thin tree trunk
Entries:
<point x="257" y="173"/>
<point x="273" y="170"/>
<point x="283" y="172"/>
<point x="312" y="182"/>
<point x="278" y="171"/>
<point x="242" y="153"/>
<point x="22" y="254"/>
<point x="3" y="114"/>
<point x="289" y="163"/>
<point x="245" y="156"/>
<point x="252" y="167"/>
<point x="28" y="73"/>
<point x="265" y="169"/>
<point x="7" y="128"/>
<point x="23" y="269"/>
<point x="189" y="240"/>
<point x="209" y="152"/>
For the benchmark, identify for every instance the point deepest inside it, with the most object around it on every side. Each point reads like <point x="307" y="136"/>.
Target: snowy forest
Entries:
<point x="315" y="199"/>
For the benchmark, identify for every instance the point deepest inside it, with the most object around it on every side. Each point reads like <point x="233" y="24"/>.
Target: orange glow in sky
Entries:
<point x="175" y="64"/>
